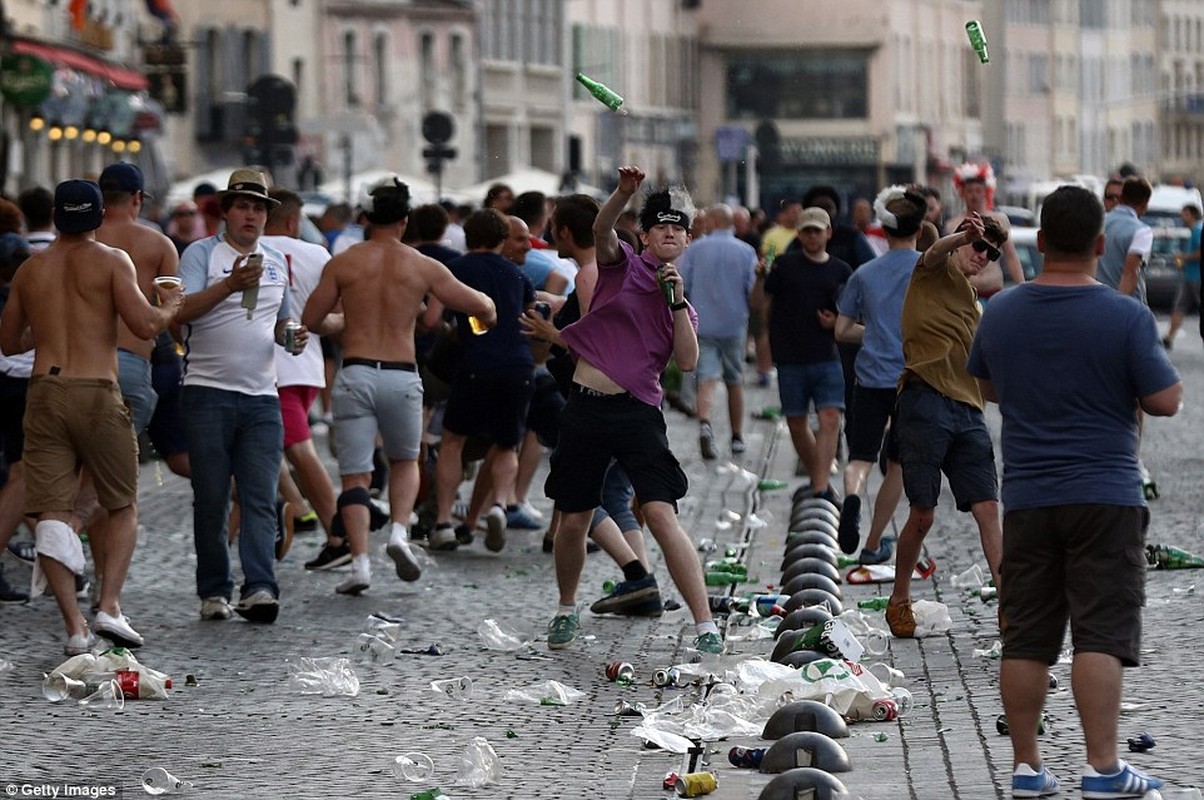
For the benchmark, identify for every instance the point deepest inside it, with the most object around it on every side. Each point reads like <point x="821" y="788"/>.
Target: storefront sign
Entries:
<point x="25" y="80"/>
<point x="830" y="150"/>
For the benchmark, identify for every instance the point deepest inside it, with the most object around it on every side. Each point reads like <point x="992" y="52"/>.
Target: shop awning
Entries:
<point x="121" y="77"/>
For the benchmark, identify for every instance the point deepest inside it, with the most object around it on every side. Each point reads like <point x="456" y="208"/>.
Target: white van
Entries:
<point x="1167" y="202"/>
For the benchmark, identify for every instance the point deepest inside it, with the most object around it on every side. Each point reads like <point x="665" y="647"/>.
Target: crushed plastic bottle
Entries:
<point x="453" y="688"/>
<point x="413" y="767"/>
<point x="328" y="677"/>
<point x="496" y="637"/>
<point x="878" y="603"/>
<point x="159" y="781"/>
<point x="479" y="764"/>
<point x="970" y="579"/>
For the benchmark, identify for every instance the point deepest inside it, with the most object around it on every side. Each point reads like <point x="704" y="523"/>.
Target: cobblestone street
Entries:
<point x="241" y="732"/>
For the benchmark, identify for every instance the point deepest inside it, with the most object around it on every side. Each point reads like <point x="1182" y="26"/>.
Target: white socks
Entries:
<point x="706" y="627"/>
<point x="398" y="533"/>
<point x="566" y="611"/>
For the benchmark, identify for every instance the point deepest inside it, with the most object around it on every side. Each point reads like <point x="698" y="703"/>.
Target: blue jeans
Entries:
<point x="239" y="436"/>
<point x="616" y="500"/>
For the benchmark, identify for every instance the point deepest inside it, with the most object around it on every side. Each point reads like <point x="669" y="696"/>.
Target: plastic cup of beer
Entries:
<point x="169" y="281"/>
<point x="477" y="326"/>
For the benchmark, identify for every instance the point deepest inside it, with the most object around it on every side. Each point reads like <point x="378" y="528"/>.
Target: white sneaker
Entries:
<point x="495" y="522"/>
<point x="79" y="644"/>
<point x="117" y="630"/>
<point x="530" y="509"/>
<point x="359" y="580"/>
<point x="404" y="560"/>
<point x="216" y="608"/>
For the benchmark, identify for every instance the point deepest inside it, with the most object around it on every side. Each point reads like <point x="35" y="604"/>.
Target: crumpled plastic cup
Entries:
<point x="108" y="696"/>
<point x="159" y="781"/>
<point x="373" y="649"/>
<point x="413" y="767"/>
<point x="328" y="677"/>
<point x="455" y="688"/>
<point x="548" y="693"/>
<point x="970" y="579"/>
<point x="479" y="764"/>
<point x="496" y="637"/>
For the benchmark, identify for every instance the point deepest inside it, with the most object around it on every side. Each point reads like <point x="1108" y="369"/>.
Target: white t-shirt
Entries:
<point x="453" y="237"/>
<point x="305" y="262"/>
<point x="224" y="349"/>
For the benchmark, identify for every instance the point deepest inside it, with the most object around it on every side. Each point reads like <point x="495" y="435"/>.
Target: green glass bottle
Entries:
<point x="601" y="92"/>
<point x="666" y="287"/>
<point x="978" y="40"/>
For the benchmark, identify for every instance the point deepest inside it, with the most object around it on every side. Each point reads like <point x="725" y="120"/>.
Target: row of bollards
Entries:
<point x="806" y="753"/>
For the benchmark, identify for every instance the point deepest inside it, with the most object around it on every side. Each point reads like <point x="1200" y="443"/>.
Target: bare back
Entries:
<point x="153" y="254"/>
<point x="382" y="285"/>
<point x="69" y="295"/>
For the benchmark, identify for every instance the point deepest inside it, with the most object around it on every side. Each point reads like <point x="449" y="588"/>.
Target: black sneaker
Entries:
<point x="632" y="598"/>
<point x="377" y="518"/>
<point x="738" y="446"/>
<point x="443" y="537"/>
<point x="10" y="595"/>
<point x="26" y="551"/>
<point x="331" y="556"/>
<point x="306" y="523"/>
<point x="849" y="529"/>
<point x="260" y="606"/>
<point x="463" y="535"/>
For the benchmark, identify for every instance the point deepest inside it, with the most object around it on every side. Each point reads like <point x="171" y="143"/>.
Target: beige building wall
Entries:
<point x="647" y="51"/>
<point x="1181" y="84"/>
<point x="923" y="103"/>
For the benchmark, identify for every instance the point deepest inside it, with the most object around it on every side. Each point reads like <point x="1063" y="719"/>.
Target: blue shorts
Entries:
<point x="803" y="386"/>
<point x="721" y="356"/>
<point x="938" y="434"/>
<point x="134" y="377"/>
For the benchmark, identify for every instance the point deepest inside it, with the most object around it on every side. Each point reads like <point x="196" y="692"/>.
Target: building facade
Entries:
<point x="1181" y="83"/>
<point x="877" y="93"/>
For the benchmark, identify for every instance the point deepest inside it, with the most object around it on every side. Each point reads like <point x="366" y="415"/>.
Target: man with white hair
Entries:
<point x="870" y="312"/>
<point x="719" y="271"/>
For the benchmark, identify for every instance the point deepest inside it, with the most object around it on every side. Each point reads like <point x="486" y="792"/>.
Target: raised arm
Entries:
<point x="144" y="320"/>
<point x="606" y="242"/>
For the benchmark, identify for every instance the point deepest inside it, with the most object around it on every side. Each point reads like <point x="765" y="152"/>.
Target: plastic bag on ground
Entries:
<point x="849" y="688"/>
<point x="970" y="579"/>
<point x="79" y="676"/>
<point x="548" y="693"/>
<point x="159" y="781"/>
<point x="479" y="764"/>
<point x="931" y="617"/>
<point x="496" y="637"/>
<point x="662" y="739"/>
<point x="328" y="677"/>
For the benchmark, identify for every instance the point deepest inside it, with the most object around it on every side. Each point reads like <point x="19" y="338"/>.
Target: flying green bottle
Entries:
<point x="978" y="40"/>
<point x="604" y="94"/>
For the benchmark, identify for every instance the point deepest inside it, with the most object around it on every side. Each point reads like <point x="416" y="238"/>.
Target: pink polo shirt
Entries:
<point x="628" y="332"/>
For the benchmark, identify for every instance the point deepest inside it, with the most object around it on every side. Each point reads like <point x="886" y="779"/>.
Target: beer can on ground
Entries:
<point x="695" y="784"/>
<point x="669" y="782"/>
<point x="666" y="677"/>
<point x="620" y="672"/>
<point x="746" y="757"/>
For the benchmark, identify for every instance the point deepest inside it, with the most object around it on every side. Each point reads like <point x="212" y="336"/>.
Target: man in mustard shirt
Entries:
<point x="939" y="411"/>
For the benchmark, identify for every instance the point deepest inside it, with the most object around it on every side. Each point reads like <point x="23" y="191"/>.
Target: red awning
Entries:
<point x="121" y="77"/>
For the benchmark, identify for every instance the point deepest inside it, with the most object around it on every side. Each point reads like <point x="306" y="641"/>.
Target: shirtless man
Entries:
<point x="153" y="254"/>
<point x="90" y="286"/>
<point x="973" y="192"/>
<point x="381" y="284"/>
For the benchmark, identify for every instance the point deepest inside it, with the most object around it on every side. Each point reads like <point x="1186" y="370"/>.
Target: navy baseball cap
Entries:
<point x="78" y="206"/>
<point x="122" y="177"/>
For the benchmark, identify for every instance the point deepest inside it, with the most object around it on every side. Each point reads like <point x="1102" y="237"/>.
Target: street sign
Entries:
<point x="25" y="80"/>
<point x="438" y="127"/>
<point x="730" y="141"/>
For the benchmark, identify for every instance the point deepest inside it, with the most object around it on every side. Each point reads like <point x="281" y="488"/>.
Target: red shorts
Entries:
<point x="295" y="402"/>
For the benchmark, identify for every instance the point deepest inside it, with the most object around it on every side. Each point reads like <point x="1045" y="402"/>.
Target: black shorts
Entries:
<point x="595" y="429"/>
<point x="872" y="409"/>
<point x="938" y="434"/>
<point x="1085" y="563"/>
<point x="166" y="428"/>
<point x="12" y="415"/>
<point x="543" y="416"/>
<point x="492" y="405"/>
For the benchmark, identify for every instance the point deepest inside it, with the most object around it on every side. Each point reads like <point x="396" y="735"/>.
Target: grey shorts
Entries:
<point x="721" y="358"/>
<point x="134" y="377"/>
<point x="366" y="400"/>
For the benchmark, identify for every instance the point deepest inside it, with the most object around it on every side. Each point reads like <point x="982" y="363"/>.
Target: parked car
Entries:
<point x="1162" y="277"/>
<point x="1019" y="216"/>
<point x="1025" y="242"/>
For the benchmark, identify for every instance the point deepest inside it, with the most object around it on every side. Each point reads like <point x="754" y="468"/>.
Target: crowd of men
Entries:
<point x="541" y="324"/>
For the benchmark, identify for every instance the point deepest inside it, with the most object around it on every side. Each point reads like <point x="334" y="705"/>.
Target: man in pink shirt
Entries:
<point x="621" y="346"/>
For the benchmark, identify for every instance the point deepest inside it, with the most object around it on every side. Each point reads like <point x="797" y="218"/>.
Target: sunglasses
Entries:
<point x="1115" y="198"/>
<point x="983" y="246"/>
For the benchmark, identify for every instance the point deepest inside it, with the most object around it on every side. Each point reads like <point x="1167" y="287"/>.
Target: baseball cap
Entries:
<point x="814" y="217"/>
<point x="122" y="177"/>
<point x="78" y="206"/>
